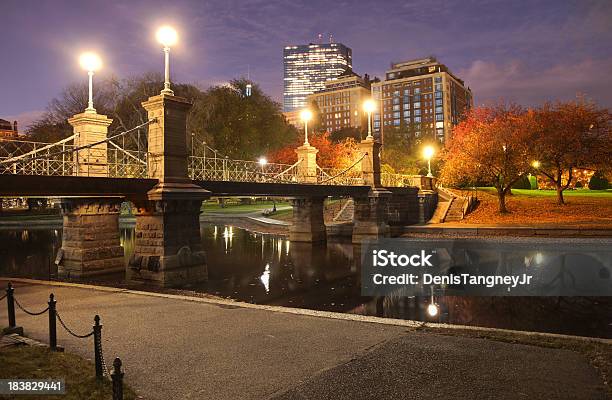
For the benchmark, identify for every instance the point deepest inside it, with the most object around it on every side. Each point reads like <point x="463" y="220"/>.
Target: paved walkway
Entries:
<point x="181" y="348"/>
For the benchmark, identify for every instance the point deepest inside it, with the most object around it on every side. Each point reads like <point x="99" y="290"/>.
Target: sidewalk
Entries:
<point x="455" y="228"/>
<point x="175" y="347"/>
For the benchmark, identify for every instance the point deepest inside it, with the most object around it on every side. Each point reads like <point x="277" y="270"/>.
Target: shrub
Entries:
<point x="598" y="182"/>
<point x="522" y="183"/>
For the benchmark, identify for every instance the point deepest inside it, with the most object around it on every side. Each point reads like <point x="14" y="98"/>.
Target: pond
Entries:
<point x="268" y="269"/>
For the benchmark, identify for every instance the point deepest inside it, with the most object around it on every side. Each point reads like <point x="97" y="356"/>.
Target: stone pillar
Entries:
<point x="168" y="248"/>
<point x="370" y="220"/>
<point x="370" y="164"/>
<point x="308" y="224"/>
<point x="90" y="127"/>
<point x="307" y="168"/>
<point x="90" y="238"/>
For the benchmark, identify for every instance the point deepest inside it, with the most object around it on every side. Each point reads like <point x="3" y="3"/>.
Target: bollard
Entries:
<point x="52" y="323"/>
<point x="97" y="330"/>
<point x="117" y="378"/>
<point x="10" y="304"/>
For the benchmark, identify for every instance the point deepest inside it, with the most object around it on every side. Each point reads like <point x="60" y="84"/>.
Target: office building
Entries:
<point x="421" y="98"/>
<point x="307" y="67"/>
<point x="340" y="102"/>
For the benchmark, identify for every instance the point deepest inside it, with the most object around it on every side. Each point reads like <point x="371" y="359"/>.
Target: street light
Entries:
<point x="536" y="164"/>
<point x="262" y="162"/>
<point x="167" y="36"/>
<point x="90" y="62"/>
<point x="369" y="106"/>
<point x="305" y="116"/>
<point x="428" y="153"/>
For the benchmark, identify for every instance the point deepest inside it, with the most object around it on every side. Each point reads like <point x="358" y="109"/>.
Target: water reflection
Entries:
<point x="268" y="269"/>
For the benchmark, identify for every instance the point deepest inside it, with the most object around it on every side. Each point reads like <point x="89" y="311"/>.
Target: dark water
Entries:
<point x="268" y="269"/>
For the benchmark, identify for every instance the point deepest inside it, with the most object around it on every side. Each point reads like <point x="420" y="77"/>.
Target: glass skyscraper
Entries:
<point x="307" y="67"/>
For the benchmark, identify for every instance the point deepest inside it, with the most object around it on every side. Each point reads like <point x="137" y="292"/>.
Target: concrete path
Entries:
<point x="181" y="348"/>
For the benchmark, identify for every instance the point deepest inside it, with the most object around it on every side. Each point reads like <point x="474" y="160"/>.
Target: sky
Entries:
<point x="522" y="51"/>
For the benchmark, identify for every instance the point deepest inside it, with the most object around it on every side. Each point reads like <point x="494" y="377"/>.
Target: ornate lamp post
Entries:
<point x="428" y="153"/>
<point x="305" y="116"/>
<point x="90" y="62"/>
<point x="369" y="106"/>
<point x="167" y="36"/>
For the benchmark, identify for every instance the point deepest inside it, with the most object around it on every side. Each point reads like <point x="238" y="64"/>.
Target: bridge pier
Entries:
<point x="168" y="249"/>
<point x="308" y="224"/>
<point x="370" y="219"/>
<point x="90" y="238"/>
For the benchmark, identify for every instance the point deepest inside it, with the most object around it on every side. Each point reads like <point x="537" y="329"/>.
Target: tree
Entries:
<point x="240" y="126"/>
<point x="225" y="118"/>
<point x="330" y="155"/>
<point x="491" y="144"/>
<point x="568" y="136"/>
<point x="401" y="150"/>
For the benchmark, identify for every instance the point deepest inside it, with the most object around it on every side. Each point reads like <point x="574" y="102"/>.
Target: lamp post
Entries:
<point x="262" y="162"/>
<point x="369" y="106"/>
<point x="90" y="62"/>
<point x="428" y="153"/>
<point x="167" y="36"/>
<point x="305" y="116"/>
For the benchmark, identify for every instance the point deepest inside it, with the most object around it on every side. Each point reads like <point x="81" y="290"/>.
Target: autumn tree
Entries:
<point x="571" y="135"/>
<point x="331" y="154"/>
<point x="492" y="144"/>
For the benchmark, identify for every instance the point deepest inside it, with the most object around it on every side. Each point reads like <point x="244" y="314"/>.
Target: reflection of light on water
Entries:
<point x="216" y="232"/>
<point x="228" y="234"/>
<point x="25" y="235"/>
<point x="432" y="310"/>
<point x="287" y="247"/>
<point x="279" y="248"/>
<point x="265" y="278"/>
<point x="536" y="259"/>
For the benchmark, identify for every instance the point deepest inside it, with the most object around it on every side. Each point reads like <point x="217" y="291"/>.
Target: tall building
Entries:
<point x="340" y="102"/>
<point x="421" y="98"/>
<point x="307" y="67"/>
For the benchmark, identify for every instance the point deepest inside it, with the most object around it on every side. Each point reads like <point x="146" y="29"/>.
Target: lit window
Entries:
<point x="406" y="106"/>
<point x="406" y="113"/>
<point x="396" y="122"/>
<point x="439" y="117"/>
<point x="417" y="119"/>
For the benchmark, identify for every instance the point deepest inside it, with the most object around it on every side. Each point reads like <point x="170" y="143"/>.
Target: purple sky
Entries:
<point x="526" y="51"/>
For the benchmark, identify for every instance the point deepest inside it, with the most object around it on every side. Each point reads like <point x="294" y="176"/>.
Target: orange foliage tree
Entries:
<point x="492" y="145"/>
<point x="331" y="154"/>
<point x="571" y="135"/>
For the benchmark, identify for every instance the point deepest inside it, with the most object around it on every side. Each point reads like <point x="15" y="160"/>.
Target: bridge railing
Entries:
<point x="226" y="169"/>
<point x="38" y="158"/>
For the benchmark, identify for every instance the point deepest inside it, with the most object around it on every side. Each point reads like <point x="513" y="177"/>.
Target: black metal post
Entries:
<point x="97" y="330"/>
<point x="117" y="378"/>
<point x="52" y="323"/>
<point x="10" y="304"/>
<point x="10" y="301"/>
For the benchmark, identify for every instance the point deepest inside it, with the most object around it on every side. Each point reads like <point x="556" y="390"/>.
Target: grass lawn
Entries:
<point x="552" y="193"/>
<point x="29" y="362"/>
<point x="532" y="207"/>
<point x="241" y="208"/>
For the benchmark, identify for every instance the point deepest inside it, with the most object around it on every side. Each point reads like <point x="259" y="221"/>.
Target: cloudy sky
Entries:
<point x="524" y="51"/>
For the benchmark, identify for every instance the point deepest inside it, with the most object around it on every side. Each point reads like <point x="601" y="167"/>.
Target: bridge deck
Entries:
<point x="76" y="186"/>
